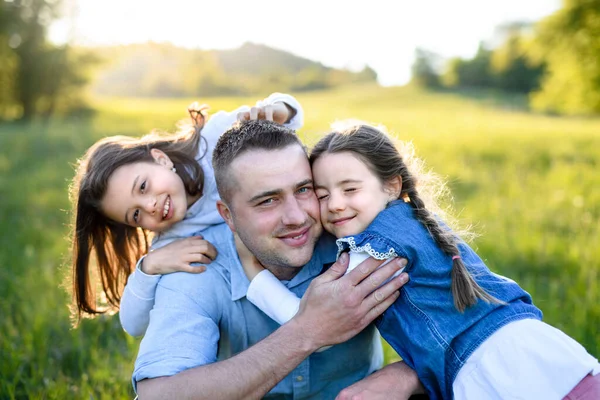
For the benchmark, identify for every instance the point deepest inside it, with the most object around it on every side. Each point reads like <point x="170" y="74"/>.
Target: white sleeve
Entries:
<point x="137" y="301"/>
<point x="357" y="258"/>
<point x="297" y="121"/>
<point x="272" y="297"/>
<point x="221" y="121"/>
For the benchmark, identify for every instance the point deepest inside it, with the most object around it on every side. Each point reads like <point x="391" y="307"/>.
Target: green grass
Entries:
<point x="528" y="183"/>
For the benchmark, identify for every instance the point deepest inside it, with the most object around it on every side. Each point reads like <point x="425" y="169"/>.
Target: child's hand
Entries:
<point x="177" y="257"/>
<point x="278" y="112"/>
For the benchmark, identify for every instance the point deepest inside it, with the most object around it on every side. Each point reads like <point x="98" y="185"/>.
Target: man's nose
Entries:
<point x="293" y="213"/>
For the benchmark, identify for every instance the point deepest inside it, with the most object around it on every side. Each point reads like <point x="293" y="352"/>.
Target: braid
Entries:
<point x="465" y="290"/>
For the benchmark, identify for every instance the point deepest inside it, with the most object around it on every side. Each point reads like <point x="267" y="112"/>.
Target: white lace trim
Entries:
<point x="364" y="249"/>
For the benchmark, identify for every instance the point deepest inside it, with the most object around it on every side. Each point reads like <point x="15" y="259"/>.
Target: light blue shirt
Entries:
<point x="199" y="319"/>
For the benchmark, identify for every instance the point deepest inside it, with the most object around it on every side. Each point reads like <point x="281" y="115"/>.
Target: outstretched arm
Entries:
<point x="334" y="309"/>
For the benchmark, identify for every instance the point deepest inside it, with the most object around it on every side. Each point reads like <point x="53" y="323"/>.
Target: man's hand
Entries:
<point x="395" y="381"/>
<point x="336" y="307"/>
<point x="178" y="255"/>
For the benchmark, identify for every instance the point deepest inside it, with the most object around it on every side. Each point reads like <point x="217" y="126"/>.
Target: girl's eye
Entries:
<point x="323" y="196"/>
<point x="143" y="186"/>
<point x="350" y="190"/>
<point x="136" y="215"/>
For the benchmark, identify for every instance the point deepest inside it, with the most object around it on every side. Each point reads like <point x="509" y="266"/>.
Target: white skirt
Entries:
<point x="525" y="359"/>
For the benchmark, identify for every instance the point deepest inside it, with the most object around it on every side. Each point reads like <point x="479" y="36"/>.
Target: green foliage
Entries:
<point x="507" y="67"/>
<point x="475" y="73"/>
<point x="569" y="42"/>
<point x="425" y="69"/>
<point x="537" y="213"/>
<point x="511" y="68"/>
<point x="40" y="78"/>
<point x="159" y="70"/>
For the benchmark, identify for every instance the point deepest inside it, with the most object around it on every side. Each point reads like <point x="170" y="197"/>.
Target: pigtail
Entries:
<point x="465" y="290"/>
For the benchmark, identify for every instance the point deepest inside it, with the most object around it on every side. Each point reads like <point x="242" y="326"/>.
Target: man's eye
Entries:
<point x="304" y="190"/>
<point x="266" y="202"/>
<point x="136" y="215"/>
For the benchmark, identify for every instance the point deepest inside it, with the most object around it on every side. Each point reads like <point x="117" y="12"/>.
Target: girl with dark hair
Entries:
<point x="467" y="332"/>
<point x="128" y="191"/>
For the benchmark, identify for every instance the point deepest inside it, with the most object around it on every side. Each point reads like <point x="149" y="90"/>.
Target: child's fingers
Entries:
<point x="243" y="116"/>
<point x="204" y="247"/>
<point x="193" y="269"/>
<point x="196" y="258"/>
<point x="268" y="109"/>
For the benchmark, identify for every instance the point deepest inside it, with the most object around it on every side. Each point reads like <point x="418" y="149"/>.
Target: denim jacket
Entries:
<point x="423" y="326"/>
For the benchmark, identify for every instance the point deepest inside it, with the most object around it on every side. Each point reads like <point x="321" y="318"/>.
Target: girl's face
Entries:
<point x="146" y="194"/>
<point x="350" y="195"/>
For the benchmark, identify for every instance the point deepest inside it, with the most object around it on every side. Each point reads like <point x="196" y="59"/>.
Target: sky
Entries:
<point x="342" y="34"/>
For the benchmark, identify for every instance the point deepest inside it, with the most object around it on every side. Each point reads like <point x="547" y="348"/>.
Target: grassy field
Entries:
<point x="529" y="185"/>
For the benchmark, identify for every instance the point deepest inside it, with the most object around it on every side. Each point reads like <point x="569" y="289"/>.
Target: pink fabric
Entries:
<point x="587" y="389"/>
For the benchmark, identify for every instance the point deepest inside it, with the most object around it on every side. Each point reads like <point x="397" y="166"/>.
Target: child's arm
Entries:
<point x="286" y="110"/>
<point x="138" y="296"/>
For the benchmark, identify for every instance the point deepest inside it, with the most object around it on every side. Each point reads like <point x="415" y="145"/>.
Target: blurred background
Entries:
<point x="501" y="98"/>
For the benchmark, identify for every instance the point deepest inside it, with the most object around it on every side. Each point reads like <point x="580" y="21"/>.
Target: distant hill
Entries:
<point x="165" y="70"/>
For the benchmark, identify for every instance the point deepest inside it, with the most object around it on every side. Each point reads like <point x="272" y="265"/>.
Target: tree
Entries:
<point x="470" y="73"/>
<point x="425" y="69"/>
<point x="569" y="42"/>
<point x="42" y="75"/>
<point x="512" y="70"/>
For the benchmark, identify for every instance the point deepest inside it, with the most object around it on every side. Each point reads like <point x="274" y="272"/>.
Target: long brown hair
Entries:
<point x="381" y="156"/>
<point x="116" y="247"/>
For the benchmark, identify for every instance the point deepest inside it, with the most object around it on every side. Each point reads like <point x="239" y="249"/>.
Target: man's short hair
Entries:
<point x="244" y="136"/>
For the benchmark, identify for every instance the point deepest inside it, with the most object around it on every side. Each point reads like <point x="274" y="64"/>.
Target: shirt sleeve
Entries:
<point x="223" y="120"/>
<point x="182" y="335"/>
<point x="137" y="301"/>
<point x="272" y="297"/>
<point x="358" y="257"/>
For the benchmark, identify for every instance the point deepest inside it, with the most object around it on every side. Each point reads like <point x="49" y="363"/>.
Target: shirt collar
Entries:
<point x="324" y="253"/>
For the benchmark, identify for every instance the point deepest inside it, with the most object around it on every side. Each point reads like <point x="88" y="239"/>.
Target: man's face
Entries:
<point x="273" y="208"/>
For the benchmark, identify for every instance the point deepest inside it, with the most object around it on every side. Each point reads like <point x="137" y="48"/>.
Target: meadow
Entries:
<point x="528" y="184"/>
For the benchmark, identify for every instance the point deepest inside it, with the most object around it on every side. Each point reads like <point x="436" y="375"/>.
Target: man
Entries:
<point x="272" y="217"/>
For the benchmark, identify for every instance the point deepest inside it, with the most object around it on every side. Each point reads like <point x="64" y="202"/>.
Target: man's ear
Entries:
<point x="161" y="158"/>
<point x="225" y="213"/>
<point x="393" y="187"/>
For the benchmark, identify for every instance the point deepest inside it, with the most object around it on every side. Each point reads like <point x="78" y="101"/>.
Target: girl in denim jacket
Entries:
<point x="127" y="191"/>
<point x="467" y="332"/>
